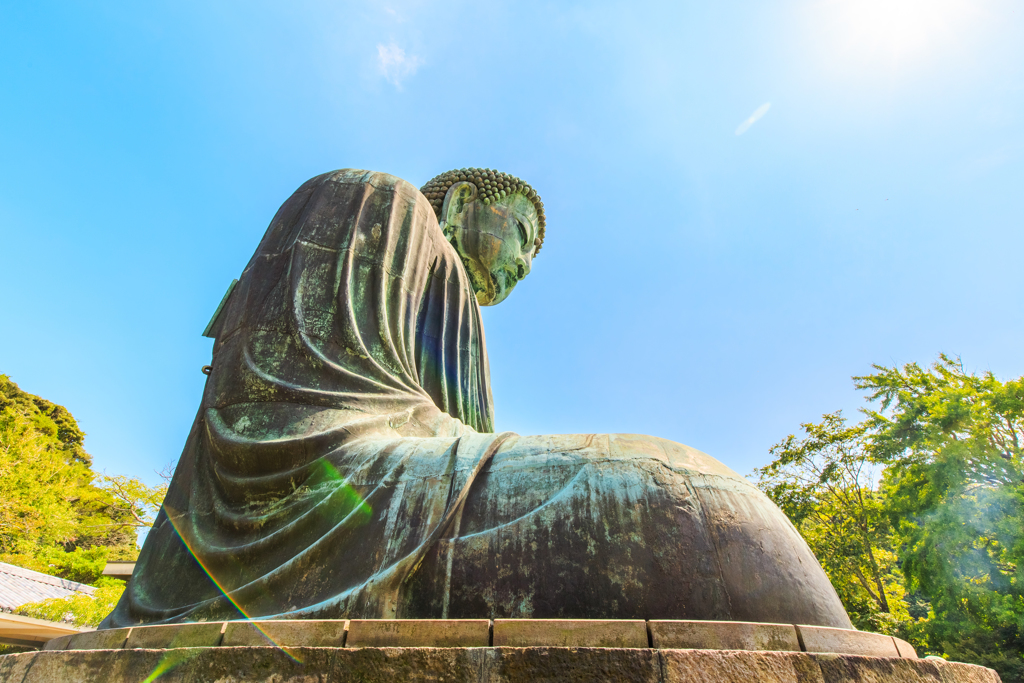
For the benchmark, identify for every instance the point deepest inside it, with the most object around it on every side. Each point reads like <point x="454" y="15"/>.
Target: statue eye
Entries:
<point x="524" y="234"/>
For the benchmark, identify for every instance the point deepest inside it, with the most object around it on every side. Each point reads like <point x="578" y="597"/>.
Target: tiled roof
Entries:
<point x="18" y="586"/>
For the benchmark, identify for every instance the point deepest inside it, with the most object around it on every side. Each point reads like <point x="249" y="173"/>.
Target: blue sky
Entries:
<point x="747" y="202"/>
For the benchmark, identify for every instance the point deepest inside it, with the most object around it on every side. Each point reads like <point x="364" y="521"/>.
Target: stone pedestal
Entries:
<point x="473" y="665"/>
<point x="482" y="651"/>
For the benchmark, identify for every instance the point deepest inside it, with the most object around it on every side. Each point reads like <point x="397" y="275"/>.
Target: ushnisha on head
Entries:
<point x="495" y="221"/>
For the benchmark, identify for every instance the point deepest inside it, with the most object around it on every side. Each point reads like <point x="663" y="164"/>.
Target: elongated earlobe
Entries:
<point x="455" y="201"/>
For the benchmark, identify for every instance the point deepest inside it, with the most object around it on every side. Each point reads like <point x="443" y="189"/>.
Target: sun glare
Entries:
<point x="890" y="34"/>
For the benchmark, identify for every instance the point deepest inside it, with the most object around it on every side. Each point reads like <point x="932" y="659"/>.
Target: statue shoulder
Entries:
<point x="358" y="176"/>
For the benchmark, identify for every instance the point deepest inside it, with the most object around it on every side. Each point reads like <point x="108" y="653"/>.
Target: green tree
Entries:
<point x="57" y="515"/>
<point x="133" y="499"/>
<point x="917" y="512"/>
<point x="954" y="483"/>
<point x="827" y="485"/>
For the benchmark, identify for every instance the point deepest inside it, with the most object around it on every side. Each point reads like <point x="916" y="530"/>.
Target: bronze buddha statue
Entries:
<point x="342" y="463"/>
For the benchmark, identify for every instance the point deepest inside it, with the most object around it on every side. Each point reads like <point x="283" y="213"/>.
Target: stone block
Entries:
<point x="955" y="672"/>
<point x="286" y="633"/>
<point x="390" y="665"/>
<point x="561" y="664"/>
<point x="905" y="649"/>
<point x="58" y="643"/>
<point x="845" y="668"/>
<point x="570" y="633"/>
<point x="418" y="633"/>
<point x="110" y="639"/>
<point x="168" y="636"/>
<point x="704" y="666"/>
<point x="846" y="641"/>
<point x="723" y="635"/>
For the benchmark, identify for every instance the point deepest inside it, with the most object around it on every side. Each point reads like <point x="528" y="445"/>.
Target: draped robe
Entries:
<point x="342" y="464"/>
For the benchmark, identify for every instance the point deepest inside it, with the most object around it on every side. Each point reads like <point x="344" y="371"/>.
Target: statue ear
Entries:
<point x="455" y="201"/>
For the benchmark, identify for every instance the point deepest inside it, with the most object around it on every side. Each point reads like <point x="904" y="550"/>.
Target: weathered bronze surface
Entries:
<point x="342" y="464"/>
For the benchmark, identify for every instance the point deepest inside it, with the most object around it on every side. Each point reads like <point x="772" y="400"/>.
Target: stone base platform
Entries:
<point x="482" y="651"/>
<point x="266" y="664"/>
<point x="446" y="633"/>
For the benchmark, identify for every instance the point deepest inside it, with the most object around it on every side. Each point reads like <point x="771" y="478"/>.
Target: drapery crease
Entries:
<point x="349" y="397"/>
<point x="342" y="465"/>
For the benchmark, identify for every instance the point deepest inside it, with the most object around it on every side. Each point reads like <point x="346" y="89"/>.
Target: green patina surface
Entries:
<point x="342" y="464"/>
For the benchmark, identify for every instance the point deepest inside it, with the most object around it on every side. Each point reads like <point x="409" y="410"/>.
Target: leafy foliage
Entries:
<point x="826" y="484"/>
<point x="952" y="443"/>
<point x="57" y="515"/>
<point x="79" y="609"/>
<point x="134" y="499"/>
<point x="938" y="529"/>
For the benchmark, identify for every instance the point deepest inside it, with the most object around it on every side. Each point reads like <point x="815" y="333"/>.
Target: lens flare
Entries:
<point x="345" y="498"/>
<point x="224" y="591"/>
<point x="342" y="503"/>
<point x="171" y="660"/>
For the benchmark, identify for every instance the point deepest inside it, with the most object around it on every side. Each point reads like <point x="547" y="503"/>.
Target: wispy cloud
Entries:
<point x="395" y="65"/>
<point x="758" y="113"/>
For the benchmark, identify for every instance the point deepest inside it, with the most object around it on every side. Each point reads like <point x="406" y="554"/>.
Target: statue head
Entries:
<point x="495" y="222"/>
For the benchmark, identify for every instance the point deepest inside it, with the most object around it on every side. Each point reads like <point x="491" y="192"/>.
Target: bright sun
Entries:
<point x="890" y="34"/>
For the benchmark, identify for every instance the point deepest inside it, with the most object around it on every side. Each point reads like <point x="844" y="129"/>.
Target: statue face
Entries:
<point x="496" y="243"/>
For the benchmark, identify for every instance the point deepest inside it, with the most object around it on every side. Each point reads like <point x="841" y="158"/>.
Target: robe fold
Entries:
<point x="342" y="464"/>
